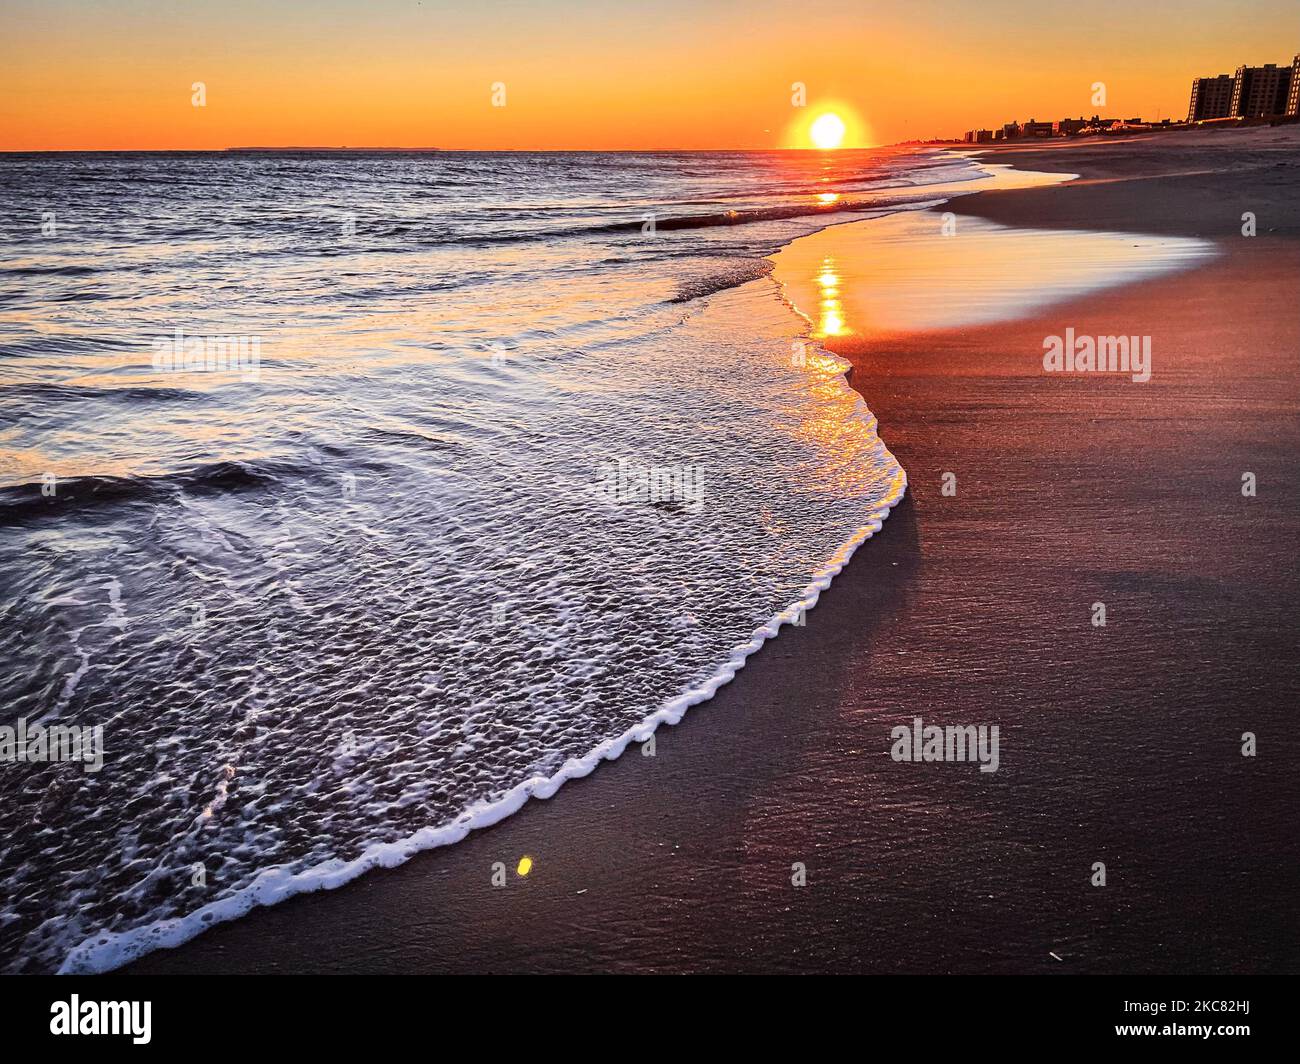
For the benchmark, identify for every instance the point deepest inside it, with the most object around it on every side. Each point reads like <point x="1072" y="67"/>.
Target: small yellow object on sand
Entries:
<point x="525" y="865"/>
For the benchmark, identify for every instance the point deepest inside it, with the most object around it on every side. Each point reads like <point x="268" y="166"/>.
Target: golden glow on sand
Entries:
<point x="828" y="131"/>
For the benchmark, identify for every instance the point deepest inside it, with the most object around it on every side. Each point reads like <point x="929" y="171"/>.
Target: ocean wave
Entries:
<point x="25" y="501"/>
<point x="49" y="271"/>
<point x="106" y="951"/>
<point x="128" y="394"/>
<point x="736" y="273"/>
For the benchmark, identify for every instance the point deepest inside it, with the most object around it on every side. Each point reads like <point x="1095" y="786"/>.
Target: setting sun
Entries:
<point x="827" y="131"/>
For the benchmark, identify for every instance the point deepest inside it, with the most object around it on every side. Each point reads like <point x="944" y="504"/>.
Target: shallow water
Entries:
<point x="922" y="270"/>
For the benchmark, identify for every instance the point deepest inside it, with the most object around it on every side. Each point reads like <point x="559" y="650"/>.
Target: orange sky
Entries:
<point x="117" y="74"/>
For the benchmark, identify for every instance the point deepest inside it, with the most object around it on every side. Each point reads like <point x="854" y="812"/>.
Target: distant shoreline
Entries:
<point x="1017" y="144"/>
<point x="305" y="150"/>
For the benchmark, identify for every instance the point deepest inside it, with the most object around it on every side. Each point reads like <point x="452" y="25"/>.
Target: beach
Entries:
<point x="1121" y="744"/>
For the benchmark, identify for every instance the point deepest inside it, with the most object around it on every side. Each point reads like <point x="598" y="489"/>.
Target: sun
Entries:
<point x="826" y="125"/>
<point x="827" y="131"/>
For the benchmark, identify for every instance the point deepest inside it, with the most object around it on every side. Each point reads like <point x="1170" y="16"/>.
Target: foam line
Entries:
<point x="107" y="950"/>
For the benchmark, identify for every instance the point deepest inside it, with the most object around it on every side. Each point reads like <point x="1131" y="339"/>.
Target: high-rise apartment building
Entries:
<point x="1211" y="98"/>
<point x="1260" y="91"/>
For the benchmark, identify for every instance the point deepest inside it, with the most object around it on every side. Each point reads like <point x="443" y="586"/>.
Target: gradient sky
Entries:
<point x="117" y="74"/>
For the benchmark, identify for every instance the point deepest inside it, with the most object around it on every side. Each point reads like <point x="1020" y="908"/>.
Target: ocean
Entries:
<point x="358" y="498"/>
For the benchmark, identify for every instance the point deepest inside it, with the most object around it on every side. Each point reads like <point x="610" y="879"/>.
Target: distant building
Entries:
<point x="1211" y="98"/>
<point x="1260" y="91"/>
<point x="1073" y="127"/>
<point x="1069" y="127"/>
<point x="1267" y="91"/>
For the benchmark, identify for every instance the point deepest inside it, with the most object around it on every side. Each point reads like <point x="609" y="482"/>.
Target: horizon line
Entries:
<point x="254" y="149"/>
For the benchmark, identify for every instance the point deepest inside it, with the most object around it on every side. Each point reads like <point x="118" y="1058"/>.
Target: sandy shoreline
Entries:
<point x="1119" y="745"/>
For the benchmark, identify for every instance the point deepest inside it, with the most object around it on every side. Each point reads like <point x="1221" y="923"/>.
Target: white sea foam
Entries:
<point x="108" y="950"/>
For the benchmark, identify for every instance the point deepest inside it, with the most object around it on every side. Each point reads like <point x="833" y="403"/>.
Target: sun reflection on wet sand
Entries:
<point x="830" y="320"/>
<point x="901" y="273"/>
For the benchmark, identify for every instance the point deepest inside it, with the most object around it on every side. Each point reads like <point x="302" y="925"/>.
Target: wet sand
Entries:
<point x="1119" y="745"/>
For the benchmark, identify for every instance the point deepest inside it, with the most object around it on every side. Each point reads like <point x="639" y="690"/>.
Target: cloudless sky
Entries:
<point x="580" y="74"/>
